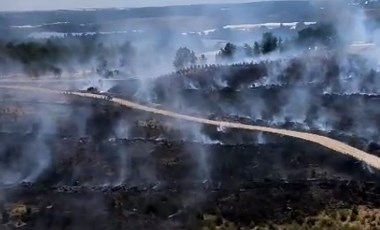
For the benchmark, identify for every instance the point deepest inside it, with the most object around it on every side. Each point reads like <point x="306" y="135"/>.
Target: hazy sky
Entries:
<point x="18" y="5"/>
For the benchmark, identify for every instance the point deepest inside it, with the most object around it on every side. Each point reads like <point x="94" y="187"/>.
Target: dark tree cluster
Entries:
<point x="320" y="35"/>
<point x="184" y="58"/>
<point x="323" y="34"/>
<point x="49" y="56"/>
<point x="269" y="43"/>
<point x="228" y="52"/>
<point x="35" y="57"/>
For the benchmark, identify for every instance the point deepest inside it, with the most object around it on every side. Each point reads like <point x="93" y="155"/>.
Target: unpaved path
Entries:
<point x="332" y="144"/>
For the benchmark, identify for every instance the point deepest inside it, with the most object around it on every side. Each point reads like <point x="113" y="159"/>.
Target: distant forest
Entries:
<point x="323" y="34"/>
<point x="51" y="55"/>
<point x="36" y="58"/>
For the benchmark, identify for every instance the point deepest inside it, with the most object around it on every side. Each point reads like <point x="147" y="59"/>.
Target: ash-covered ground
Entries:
<point x="76" y="163"/>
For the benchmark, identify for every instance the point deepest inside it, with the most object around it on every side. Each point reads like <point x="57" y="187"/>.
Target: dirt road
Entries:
<point x="332" y="144"/>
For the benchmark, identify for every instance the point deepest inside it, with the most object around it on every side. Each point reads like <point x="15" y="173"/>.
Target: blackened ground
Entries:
<point x="324" y="93"/>
<point x="115" y="168"/>
<point x="183" y="207"/>
<point x="152" y="184"/>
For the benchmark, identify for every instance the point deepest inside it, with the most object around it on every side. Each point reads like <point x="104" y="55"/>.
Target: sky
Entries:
<point x="22" y="5"/>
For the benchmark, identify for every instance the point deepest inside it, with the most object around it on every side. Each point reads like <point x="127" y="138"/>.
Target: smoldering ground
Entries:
<point x="284" y="101"/>
<point x="77" y="145"/>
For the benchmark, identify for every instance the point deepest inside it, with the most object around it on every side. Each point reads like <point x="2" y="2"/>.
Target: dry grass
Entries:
<point x="357" y="218"/>
<point x="360" y="218"/>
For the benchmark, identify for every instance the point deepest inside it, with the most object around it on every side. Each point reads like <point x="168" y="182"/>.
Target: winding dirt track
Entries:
<point x="332" y="144"/>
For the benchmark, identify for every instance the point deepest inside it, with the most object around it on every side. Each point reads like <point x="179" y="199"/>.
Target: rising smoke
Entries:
<point x="274" y="90"/>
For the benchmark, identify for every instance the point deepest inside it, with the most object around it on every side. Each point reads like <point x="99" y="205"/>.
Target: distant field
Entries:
<point x="179" y="23"/>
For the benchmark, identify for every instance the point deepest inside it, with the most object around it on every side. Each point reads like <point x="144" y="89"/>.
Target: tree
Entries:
<point x="228" y="51"/>
<point x="203" y="60"/>
<point x="323" y="34"/>
<point x="268" y="43"/>
<point x="127" y="54"/>
<point x="56" y="71"/>
<point x="248" y="50"/>
<point x="102" y="66"/>
<point x="280" y="45"/>
<point x="256" y="49"/>
<point x="184" y="58"/>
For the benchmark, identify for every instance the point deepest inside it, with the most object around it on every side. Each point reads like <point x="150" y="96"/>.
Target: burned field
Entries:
<point x="76" y="163"/>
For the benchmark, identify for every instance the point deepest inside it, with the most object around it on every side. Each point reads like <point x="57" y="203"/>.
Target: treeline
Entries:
<point x="268" y="44"/>
<point x="324" y="35"/>
<point x="50" y="56"/>
<point x="186" y="57"/>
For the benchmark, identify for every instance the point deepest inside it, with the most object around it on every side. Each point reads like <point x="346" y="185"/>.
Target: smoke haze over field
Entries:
<point x="146" y="59"/>
<point x="160" y="101"/>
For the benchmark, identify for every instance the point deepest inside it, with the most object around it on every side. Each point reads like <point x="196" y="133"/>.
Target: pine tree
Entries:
<point x="184" y="58"/>
<point x="256" y="49"/>
<point x="268" y="43"/>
